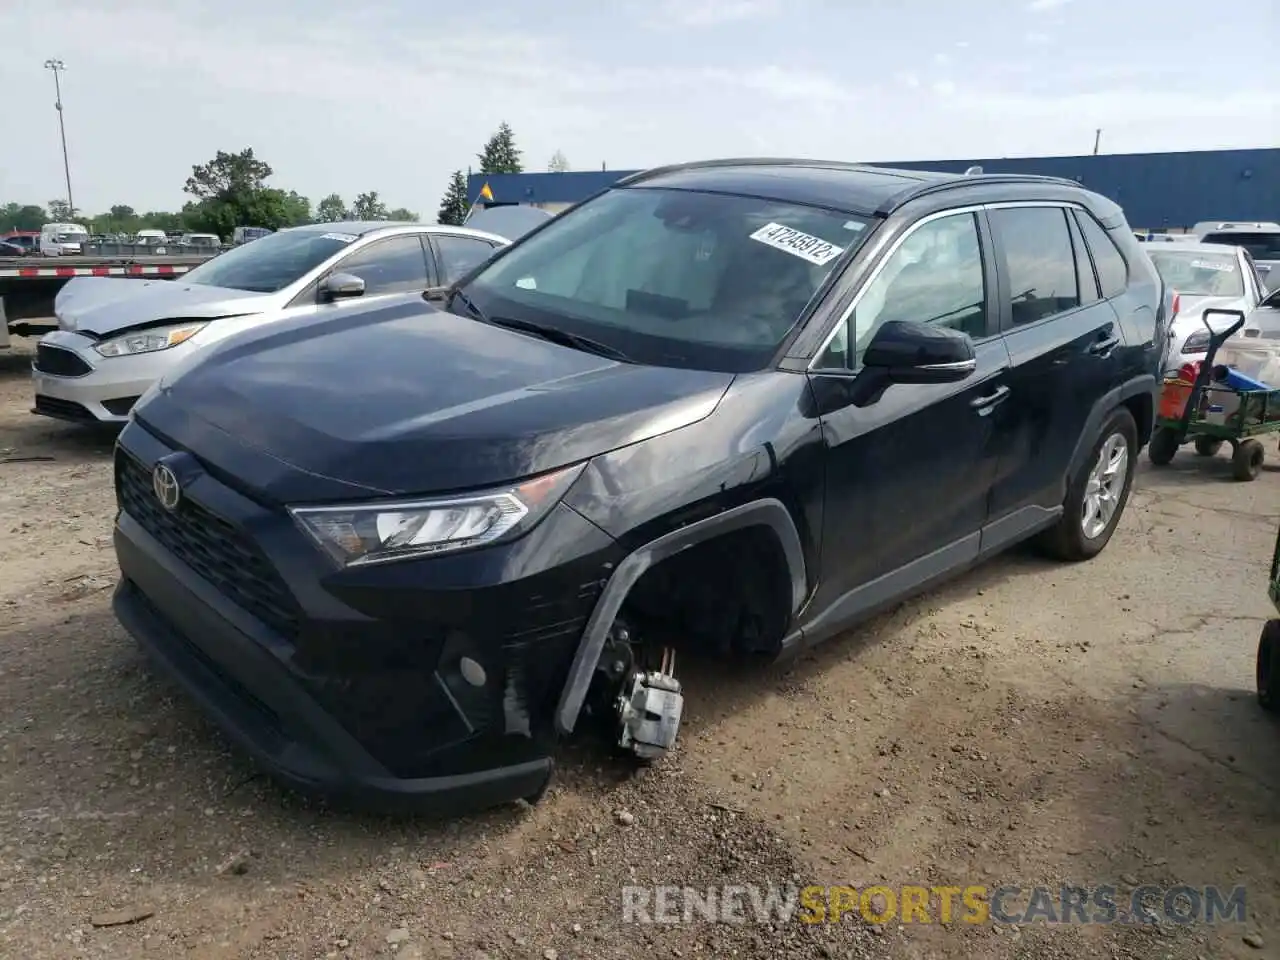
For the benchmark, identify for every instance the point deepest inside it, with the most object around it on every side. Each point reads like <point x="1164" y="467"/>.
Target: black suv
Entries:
<point x="732" y="407"/>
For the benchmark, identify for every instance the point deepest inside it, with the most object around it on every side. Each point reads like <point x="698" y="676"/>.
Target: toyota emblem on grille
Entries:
<point x="165" y="485"/>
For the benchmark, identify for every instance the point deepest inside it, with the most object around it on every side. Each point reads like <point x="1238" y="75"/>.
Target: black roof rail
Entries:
<point x="959" y="180"/>
<point x="643" y="175"/>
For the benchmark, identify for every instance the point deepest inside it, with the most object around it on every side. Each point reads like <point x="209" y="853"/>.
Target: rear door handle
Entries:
<point x="1103" y="348"/>
<point x="985" y="405"/>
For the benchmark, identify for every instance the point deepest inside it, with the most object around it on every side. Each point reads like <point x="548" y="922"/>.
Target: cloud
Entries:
<point x="1038" y="38"/>
<point x="1044" y="6"/>
<point x="944" y="88"/>
<point x="709" y="13"/>
<point x="910" y="80"/>
<point x="941" y="59"/>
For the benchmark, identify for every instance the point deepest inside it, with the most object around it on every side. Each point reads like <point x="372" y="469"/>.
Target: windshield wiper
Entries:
<point x="562" y="337"/>
<point x="550" y="334"/>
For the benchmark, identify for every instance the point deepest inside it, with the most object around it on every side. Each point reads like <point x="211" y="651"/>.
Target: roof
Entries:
<point x="360" y="228"/>
<point x="838" y="186"/>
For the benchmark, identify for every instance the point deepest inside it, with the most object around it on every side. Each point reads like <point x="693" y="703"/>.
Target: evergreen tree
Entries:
<point x="500" y="154"/>
<point x="454" y="206"/>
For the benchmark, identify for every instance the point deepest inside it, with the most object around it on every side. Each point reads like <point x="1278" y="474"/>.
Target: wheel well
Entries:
<point x="729" y="594"/>
<point x="1142" y="407"/>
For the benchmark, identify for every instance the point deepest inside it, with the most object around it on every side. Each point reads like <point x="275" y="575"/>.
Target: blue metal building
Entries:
<point x="1157" y="190"/>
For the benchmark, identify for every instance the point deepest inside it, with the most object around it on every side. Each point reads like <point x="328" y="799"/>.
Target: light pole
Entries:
<point x="57" y="66"/>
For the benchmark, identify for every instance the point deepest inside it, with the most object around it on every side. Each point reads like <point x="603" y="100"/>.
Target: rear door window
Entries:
<point x="1040" y="262"/>
<point x="456" y="255"/>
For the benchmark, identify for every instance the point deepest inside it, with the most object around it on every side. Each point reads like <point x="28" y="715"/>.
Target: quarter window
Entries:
<point x="1113" y="273"/>
<point x="1041" y="264"/>
<point x="394" y="265"/>
<point x="935" y="276"/>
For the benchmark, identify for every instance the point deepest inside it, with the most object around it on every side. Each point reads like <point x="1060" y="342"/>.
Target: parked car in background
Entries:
<point x="117" y="336"/>
<point x="62" y="239"/>
<point x="1261" y="239"/>
<point x="9" y="249"/>
<point x="1205" y="276"/>
<point x="241" y="235"/>
<point x="201" y="241"/>
<point x="734" y="406"/>
<point x="27" y="240"/>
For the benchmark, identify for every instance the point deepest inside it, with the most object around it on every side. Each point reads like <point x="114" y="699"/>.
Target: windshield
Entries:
<point x="1261" y="246"/>
<point x="271" y="263"/>
<point x="1200" y="274"/>
<point x="672" y="277"/>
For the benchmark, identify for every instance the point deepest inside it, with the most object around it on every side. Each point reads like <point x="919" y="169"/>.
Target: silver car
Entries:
<point x="1260" y="239"/>
<point x="1204" y="276"/>
<point x="116" y="337"/>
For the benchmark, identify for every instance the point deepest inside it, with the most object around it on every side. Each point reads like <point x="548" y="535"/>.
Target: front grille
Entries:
<point x="215" y="549"/>
<point x="60" y="362"/>
<point x="63" y="409"/>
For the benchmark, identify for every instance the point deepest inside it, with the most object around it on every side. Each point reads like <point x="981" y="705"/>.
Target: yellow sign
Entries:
<point x="486" y="193"/>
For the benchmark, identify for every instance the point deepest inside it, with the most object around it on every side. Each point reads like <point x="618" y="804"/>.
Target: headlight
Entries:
<point x="376" y="533"/>
<point x="1198" y="342"/>
<point x="148" y="341"/>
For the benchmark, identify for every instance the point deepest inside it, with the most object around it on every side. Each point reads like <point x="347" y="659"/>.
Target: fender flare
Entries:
<point x="1102" y="408"/>
<point x="770" y="513"/>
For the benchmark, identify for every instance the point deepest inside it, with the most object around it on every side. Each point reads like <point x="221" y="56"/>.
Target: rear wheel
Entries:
<point x="1098" y="493"/>
<point x="1269" y="666"/>
<point x="1208" y="446"/>
<point x="1164" y="444"/>
<point x="1246" y="462"/>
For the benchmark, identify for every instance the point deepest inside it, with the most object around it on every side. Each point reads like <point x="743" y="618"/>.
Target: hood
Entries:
<point x="408" y="399"/>
<point x="101" y="305"/>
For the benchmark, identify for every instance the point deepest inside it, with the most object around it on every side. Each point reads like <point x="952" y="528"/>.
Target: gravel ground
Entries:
<point x="1029" y="723"/>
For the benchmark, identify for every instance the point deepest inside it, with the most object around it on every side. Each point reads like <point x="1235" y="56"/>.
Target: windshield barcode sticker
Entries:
<point x="1213" y="265"/>
<point x="814" y="249"/>
<point x="340" y="237"/>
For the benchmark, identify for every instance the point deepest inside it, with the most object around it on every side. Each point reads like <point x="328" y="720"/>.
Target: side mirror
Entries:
<point x="341" y="286"/>
<point x="904" y="351"/>
<point x="436" y="294"/>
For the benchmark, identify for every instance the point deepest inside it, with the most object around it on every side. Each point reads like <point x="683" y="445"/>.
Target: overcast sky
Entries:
<point x="391" y="95"/>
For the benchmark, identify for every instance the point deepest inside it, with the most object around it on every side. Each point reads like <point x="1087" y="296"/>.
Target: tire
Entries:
<point x="1208" y="446"/>
<point x="1079" y="535"/>
<point x="1246" y="462"/>
<point x="1164" y="444"/>
<point x="1269" y="666"/>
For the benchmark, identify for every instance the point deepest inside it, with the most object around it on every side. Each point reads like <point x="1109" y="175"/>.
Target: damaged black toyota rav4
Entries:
<point x="730" y="407"/>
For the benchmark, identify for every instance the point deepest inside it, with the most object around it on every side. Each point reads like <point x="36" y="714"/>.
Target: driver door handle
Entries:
<point x="1103" y="348"/>
<point x="984" y="405"/>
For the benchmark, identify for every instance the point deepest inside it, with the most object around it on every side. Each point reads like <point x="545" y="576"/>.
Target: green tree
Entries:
<point x="230" y="191"/>
<point x="60" y="211"/>
<point x="331" y="209"/>
<point x="559" y="163"/>
<point x="500" y="154"/>
<point x="22" y="216"/>
<point x="402" y="213"/>
<point x="454" y="206"/>
<point x="297" y="208"/>
<point x="369" y="207"/>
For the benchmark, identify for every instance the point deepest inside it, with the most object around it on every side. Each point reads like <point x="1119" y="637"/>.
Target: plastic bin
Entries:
<point x="1255" y="358"/>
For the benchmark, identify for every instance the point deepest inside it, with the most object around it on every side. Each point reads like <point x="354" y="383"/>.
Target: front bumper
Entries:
<point x="368" y="710"/>
<point x="88" y="387"/>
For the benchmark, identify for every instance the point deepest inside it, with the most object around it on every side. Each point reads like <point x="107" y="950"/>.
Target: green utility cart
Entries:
<point x="1187" y="412"/>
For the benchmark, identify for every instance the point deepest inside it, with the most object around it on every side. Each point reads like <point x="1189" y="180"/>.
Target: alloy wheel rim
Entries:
<point x="1105" y="486"/>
